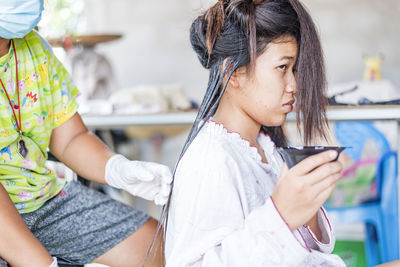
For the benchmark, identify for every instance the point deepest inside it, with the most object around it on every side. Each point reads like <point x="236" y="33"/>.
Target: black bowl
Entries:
<point x="295" y="154"/>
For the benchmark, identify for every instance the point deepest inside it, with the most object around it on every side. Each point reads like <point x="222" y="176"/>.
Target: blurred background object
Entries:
<point x="373" y="68"/>
<point x="150" y="99"/>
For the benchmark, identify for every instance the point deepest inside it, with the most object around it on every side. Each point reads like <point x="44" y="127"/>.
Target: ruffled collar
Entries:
<point x="244" y="145"/>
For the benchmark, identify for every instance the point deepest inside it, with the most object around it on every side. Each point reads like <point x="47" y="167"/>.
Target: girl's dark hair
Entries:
<point x="232" y="33"/>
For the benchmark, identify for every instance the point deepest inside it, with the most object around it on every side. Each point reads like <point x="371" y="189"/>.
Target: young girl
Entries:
<point x="233" y="204"/>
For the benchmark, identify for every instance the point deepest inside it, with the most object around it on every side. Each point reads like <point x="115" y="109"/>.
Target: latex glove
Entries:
<point x="54" y="263"/>
<point x="148" y="180"/>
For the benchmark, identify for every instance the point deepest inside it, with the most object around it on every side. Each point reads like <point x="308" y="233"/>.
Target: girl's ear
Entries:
<point x="238" y="77"/>
<point x="234" y="81"/>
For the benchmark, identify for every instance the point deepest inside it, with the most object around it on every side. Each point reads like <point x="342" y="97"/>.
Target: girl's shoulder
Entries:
<point x="216" y="150"/>
<point x="214" y="142"/>
<point x="211" y="161"/>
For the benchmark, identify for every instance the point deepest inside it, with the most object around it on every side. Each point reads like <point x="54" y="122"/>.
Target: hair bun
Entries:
<point x="205" y="31"/>
<point x="198" y="40"/>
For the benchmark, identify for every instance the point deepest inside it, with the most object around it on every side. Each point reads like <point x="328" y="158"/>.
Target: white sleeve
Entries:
<point x="264" y="240"/>
<point x="327" y="243"/>
<point x="208" y="227"/>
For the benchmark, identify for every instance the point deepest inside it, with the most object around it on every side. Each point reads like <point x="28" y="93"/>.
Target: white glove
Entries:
<point x="54" y="263"/>
<point x="148" y="180"/>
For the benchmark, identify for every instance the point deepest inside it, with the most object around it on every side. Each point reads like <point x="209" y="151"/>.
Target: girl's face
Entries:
<point x="266" y="94"/>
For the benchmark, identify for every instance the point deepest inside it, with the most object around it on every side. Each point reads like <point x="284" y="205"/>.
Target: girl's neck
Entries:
<point x="236" y="120"/>
<point x="4" y="46"/>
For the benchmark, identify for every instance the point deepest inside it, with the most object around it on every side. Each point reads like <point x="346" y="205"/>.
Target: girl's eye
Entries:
<point x="283" y="67"/>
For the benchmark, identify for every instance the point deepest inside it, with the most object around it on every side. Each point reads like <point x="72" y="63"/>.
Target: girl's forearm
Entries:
<point x="313" y="224"/>
<point x="18" y="246"/>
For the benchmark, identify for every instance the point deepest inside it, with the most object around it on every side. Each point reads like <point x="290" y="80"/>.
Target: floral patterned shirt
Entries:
<point x="46" y="94"/>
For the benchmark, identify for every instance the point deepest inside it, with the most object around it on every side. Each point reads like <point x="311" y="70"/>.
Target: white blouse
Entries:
<point x="221" y="212"/>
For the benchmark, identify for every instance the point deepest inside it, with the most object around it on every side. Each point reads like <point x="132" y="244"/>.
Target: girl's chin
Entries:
<point x="281" y="120"/>
<point x="275" y="123"/>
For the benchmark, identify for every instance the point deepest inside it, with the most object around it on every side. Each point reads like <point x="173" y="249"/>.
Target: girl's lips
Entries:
<point x="289" y="105"/>
<point x="291" y="102"/>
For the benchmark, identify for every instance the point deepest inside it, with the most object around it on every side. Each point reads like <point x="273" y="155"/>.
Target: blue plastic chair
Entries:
<point x="381" y="214"/>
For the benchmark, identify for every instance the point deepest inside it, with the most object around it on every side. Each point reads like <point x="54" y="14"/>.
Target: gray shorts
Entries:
<point x="81" y="224"/>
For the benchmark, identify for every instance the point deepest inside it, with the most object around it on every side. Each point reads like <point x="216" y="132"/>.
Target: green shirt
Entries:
<point x="47" y="95"/>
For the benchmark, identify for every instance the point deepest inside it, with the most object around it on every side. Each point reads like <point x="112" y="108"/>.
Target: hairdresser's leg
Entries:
<point x="18" y="246"/>
<point x="133" y="250"/>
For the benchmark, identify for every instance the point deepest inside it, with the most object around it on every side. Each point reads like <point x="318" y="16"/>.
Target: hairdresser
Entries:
<point x="44" y="219"/>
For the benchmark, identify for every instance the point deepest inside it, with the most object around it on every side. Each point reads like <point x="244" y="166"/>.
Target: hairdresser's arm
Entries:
<point x="18" y="246"/>
<point x="80" y="150"/>
<point x="84" y="153"/>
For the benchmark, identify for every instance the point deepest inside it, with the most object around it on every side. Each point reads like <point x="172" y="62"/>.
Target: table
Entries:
<point x="122" y="121"/>
<point x="335" y="113"/>
<point x="186" y="118"/>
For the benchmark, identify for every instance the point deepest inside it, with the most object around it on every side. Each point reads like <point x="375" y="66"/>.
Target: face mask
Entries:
<point x="19" y="17"/>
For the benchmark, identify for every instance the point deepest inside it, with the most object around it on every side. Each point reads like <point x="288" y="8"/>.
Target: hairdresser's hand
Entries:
<point x="301" y="191"/>
<point x="148" y="180"/>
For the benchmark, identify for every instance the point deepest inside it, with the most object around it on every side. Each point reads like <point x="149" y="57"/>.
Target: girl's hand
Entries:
<point x="301" y="191"/>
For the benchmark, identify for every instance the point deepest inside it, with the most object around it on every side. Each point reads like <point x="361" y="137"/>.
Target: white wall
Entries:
<point x="351" y="28"/>
<point x="155" y="47"/>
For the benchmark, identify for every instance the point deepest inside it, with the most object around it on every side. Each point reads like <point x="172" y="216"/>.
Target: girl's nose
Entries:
<point x="289" y="89"/>
<point x="291" y="86"/>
